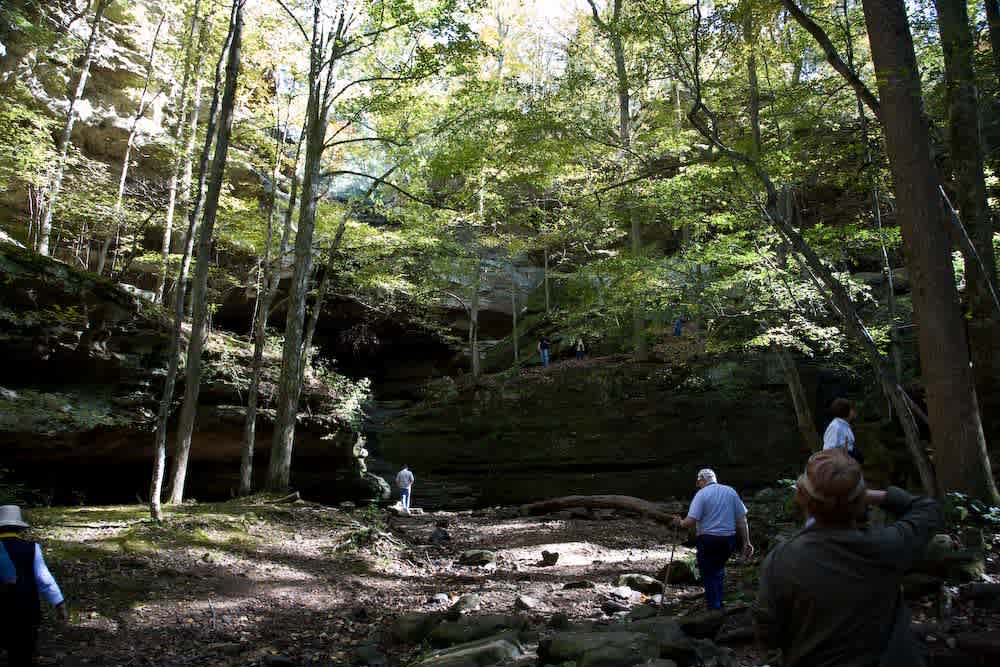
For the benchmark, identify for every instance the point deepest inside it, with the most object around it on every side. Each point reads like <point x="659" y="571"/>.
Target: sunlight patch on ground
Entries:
<point x="585" y="553"/>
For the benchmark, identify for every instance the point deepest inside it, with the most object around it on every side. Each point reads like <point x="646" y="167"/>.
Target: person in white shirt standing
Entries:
<point x="721" y="518"/>
<point x="839" y="433"/>
<point x="404" y="480"/>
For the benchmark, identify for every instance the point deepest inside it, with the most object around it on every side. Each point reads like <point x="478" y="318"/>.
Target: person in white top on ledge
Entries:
<point x="839" y="433"/>
<point x="404" y="480"/>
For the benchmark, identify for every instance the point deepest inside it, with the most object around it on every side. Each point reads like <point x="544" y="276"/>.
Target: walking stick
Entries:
<point x="666" y="573"/>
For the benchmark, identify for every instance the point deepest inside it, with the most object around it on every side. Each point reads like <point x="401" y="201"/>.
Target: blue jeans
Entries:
<point x="545" y="357"/>
<point x="713" y="552"/>
<point x="404" y="498"/>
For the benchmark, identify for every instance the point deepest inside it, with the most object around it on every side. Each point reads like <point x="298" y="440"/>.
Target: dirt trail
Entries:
<point x="257" y="584"/>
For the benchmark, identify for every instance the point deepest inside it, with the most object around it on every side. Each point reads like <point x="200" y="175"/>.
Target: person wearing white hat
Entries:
<point x="21" y="612"/>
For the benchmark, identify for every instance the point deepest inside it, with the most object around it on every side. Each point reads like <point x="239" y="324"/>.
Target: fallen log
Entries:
<point x="624" y="503"/>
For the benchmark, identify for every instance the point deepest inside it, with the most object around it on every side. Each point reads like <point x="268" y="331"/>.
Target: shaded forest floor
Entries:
<point x="246" y="583"/>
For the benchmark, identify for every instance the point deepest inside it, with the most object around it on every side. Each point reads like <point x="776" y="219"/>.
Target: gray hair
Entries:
<point x="707" y="474"/>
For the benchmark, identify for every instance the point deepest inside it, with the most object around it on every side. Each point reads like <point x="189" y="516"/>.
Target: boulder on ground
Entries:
<point x="612" y="607"/>
<point x="481" y="653"/>
<point x="712" y="655"/>
<point x="598" y="649"/>
<point x="473" y="628"/>
<point x="412" y="627"/>
<point x="703" y="625"/>
<point x="526" y="603"/>
<point x="640" y="582"/>
<point x="474" y="557"/>
<point x="439" y="535"/>
<point x="464" y="604"/>
<point x="579" y="584"/>
<point x="680" y="573"/>
<point x="643" y="611"/>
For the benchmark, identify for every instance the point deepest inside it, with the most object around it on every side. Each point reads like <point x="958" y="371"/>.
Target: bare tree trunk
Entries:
<point x="199" y="298"/>
<point x="474" y="320"/>
<point x="612" y="28"/>
<point x="140" y="111"/>
<point x="170" y="382"/>
<point x="267" y="280"/>
<point x="513" y="310"/>
<point x="185" y="133"/>
<point x="290" y="383"/>
<point x="956" y="428"/>
<point x="993" y="18"/>
<point x="55" y="182"/>
<point x="966" y="146"/>
<point x="321" y="290"/>
<point x="803" y="412"/>
<point x="548" y="300"/>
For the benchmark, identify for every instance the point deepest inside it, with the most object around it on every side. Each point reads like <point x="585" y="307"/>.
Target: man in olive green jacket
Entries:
<point x="830" y="596"/>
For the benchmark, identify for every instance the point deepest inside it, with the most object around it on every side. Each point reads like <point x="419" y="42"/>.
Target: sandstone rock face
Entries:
<point x="615" y="427"/>
<point x="84" y="361"/>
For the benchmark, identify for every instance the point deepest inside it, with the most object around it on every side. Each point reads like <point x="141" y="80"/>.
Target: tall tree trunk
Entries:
<point x="55" y="182"/>
<point x="548" y="298"/>
<point x="180" y="286"/>
<point x="267" y="280"/>
<point x="474" y="320"/>
<point x="803" y="412"/>
<point x="754" y="102"/>
<point x="140" y="111"/>
<point x="199" y="293"/>
<point x="966" y="145"/>
<point x="612" y="28"/>
<point x="956" y="428"/>
<point x="290" y="383"/>
<point x="321" y="290"/>
<point x="185" y="132"/>
<point x="993" y="18"/>
<point x="513" y="311"/>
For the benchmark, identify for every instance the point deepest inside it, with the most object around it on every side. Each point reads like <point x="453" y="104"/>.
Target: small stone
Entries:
<point x="612" y="607"/>
<point x="439" y="599"/>
<point x="440" y="535"/>
<point x="624" y="593"/>
<point x="526" y="603"/>
<point x="368" y="655"/>
<point x="477" y="557"/>
<point x="8" y="394"/>
<point x="559" y="621"/>
<point x="549" y="558"/>
<point x="466" y="603"/>
<point x="347" y="505"/>
<point x="279" y="661"/>
<point x="413" y="627"/>
<point x="572" y="585"/>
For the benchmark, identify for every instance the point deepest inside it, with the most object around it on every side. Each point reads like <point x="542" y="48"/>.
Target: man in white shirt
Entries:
<point x="720" y="516"/>
<point x="404" y="480"/>
<point x="839" y="433"/>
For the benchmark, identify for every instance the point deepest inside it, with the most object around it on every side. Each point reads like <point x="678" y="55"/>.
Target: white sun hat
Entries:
<point x="10" y="517"/>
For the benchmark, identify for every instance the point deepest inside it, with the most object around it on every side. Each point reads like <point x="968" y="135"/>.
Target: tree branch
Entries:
<point x="832" y="57"/>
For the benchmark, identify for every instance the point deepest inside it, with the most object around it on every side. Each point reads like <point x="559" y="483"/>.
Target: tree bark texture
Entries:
<point x="993" y="19"/>
<point x="185" y="133"/>
<point x="966" y="144"/>
<point x="180" y="287"/>
<point x="140" y="111"/>
<point x="55" y="182"/>
<point x="290" y="383"/>
<point x="199" y="294"/>
<point x="803" y="412"/>
<point x="956" y="430"/>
